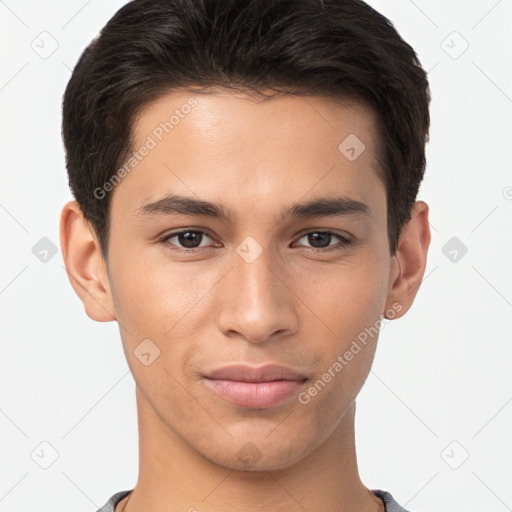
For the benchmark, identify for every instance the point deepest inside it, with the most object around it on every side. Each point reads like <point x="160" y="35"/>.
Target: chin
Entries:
<point x="257" y="453"/>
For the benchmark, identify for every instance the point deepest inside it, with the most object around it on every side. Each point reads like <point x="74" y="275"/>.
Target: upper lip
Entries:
<point x="247" y="373"/>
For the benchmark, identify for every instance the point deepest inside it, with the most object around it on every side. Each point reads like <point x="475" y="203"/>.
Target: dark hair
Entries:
<point x="342" y="49"/>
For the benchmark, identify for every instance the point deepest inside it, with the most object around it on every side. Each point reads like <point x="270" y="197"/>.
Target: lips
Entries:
<point x="246" y="373"/>
<point x="255" y="388"/>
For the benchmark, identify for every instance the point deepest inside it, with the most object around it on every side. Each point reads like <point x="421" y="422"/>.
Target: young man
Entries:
<point x="245" y="176"/>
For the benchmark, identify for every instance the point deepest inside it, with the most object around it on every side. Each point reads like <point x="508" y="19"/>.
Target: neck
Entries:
<point x="174" y="476"/>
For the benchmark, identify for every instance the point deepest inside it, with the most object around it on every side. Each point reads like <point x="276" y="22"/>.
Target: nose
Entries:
<point x="256" y="301"/>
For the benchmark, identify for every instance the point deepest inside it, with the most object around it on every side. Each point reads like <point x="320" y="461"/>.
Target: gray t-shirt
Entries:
<point x="390" y="504"/>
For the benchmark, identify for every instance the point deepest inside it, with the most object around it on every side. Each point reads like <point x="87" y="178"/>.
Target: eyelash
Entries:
<point x="344" y="240"/>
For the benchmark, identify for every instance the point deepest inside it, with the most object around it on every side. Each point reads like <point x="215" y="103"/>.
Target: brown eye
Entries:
<point x="187" y="239"/>
<point x="322" y="240"/>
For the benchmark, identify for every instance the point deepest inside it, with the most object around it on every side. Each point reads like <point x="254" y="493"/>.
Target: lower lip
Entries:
<point x="255" y="395"/>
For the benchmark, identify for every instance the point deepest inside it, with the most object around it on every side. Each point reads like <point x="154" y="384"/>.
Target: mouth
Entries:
<point x="255" y="388"/>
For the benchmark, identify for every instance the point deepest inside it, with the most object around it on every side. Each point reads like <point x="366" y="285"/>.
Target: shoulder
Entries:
<point x="110" y="506"/>
<point x="389" y="501"/>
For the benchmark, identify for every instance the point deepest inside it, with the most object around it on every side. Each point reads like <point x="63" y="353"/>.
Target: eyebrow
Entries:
<point x="320" y="207"/>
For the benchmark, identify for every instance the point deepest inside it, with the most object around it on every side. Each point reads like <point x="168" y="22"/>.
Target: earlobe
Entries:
<point x="84" y="264"/>
<point x="411" y="259"/>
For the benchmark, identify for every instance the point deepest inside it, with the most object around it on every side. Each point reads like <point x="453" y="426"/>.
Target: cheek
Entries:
<point x="153" y="298"/>
<point x="351" y="310"/>
<point x="348" y="302"/>
<point x="166" y="305"/>
<point x="348" y="298"/>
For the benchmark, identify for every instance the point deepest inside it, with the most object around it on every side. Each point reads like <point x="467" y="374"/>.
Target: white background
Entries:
<point x="440" y="389"/>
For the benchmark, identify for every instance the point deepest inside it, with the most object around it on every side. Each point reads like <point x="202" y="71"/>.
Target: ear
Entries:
<point x="86" y="268"/>
<point x="409" y="261"/>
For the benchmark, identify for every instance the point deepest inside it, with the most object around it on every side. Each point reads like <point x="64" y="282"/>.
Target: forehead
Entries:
<point x="222" y="145"/>
<point x="235" y="115"/>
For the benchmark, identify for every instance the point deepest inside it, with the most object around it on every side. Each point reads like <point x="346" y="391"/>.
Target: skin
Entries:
<point x="294" y="305"/>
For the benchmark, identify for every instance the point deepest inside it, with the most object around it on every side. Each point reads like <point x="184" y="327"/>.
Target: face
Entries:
<point x="267" y="282"/>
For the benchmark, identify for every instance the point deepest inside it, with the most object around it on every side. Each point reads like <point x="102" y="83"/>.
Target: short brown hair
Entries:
<point x="337" y="48"/>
